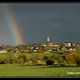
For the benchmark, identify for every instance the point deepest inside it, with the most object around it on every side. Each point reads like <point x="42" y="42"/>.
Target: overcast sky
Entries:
<point x="60" y="21"/>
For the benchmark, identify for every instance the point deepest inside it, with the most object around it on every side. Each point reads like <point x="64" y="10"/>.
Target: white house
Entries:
<point x="2" y="50"/>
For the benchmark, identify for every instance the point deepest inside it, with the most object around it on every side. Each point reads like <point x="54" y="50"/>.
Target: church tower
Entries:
<point x="49" y="42"/>
<point x="48" y="39"/>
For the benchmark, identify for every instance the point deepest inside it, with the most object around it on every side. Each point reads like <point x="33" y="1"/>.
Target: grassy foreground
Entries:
<point x="39" y="71"/>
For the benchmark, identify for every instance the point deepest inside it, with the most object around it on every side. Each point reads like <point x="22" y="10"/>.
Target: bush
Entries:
<point x="36" y="58"/>
<point x="45" y="57"/>
<point x="60" y="60"/>
<point x="72" y="57"/>
<point x="78" y="62"/>
<point x="2" y="59"/>
<point x="39" y="56"/>
<point x="49" y="62"/>
<point x="21" y="58"/>
<point x="2" y="62"/>
<point x="11" y="60"/>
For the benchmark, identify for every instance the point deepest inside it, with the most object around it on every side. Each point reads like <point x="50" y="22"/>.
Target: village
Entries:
<point x="48" y="46"/>
<point x="47" y="53"/>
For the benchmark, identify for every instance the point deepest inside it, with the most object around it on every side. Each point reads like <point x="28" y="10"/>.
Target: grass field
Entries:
<point x="37" y="71"/>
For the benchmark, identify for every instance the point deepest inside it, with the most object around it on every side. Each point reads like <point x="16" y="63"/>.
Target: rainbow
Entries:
<point x="14" y="26"/>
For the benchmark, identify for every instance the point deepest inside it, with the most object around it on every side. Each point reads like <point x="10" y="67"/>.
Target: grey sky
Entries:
<point x="60" y="21"/>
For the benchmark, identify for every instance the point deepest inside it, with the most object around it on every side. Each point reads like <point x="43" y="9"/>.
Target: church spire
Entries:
<point x="48" y="39"/>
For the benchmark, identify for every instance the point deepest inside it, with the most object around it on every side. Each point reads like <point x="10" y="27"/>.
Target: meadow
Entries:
<point x="14" y="70"/>
<point x="27" y="69"/>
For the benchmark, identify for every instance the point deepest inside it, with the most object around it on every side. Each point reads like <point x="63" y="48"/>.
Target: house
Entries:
<point x="2" y="50"/>
<point x="68" y="46"/>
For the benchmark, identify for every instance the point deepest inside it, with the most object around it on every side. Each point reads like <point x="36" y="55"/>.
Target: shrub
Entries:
<point x="22" y="58"/>
<point x="49" y="62"/>
<point x="10" y="60"/>
<point x="78" y="62"/>
<point x="2" y="62"/>
<point x="2" y="59"/>
<point x="72" y="57"/>
<point x="30" y="57"/>
<point x="13" y="59"/>
<point x="36" y="58"/>
<point x="60" y="60"/>
<point x="45" y="57"/>
<point x="39" y="56"/>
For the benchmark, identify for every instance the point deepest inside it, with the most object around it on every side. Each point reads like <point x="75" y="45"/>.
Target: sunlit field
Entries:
<point x="37" y="70"/>
<point x="15" y="70"/>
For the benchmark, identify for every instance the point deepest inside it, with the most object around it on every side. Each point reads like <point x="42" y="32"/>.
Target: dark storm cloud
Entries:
<point x="60" y="21"/>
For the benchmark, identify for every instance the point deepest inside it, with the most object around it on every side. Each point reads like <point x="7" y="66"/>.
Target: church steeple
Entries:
<point x="48" y="39"/>
<point x="49" y="42"/>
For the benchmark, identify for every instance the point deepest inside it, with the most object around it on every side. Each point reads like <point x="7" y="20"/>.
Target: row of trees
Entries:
<point x="67" y="58"/>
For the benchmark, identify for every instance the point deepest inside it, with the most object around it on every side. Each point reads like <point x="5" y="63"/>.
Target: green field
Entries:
<point x="37" y="71"/>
